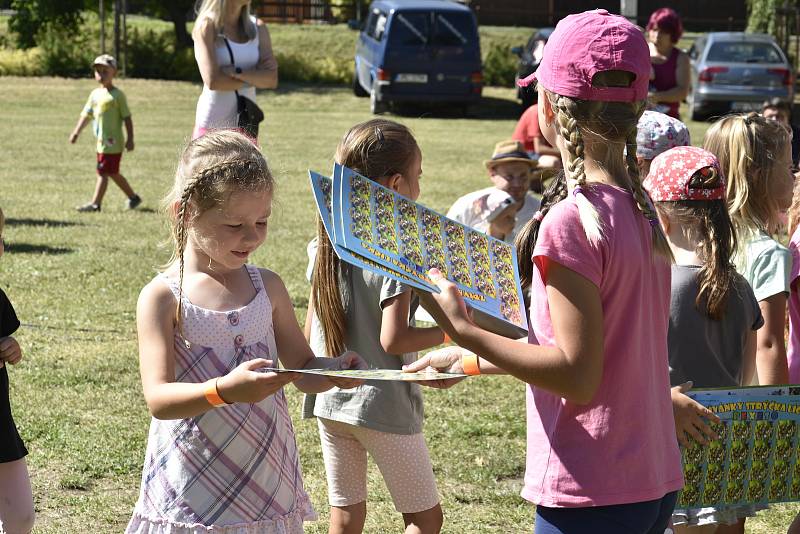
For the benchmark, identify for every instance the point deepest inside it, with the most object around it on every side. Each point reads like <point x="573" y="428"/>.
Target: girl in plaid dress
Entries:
<point x="221" y="452"/>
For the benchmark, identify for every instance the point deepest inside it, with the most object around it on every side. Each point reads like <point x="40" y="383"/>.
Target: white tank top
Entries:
<point x="217" y="109"/>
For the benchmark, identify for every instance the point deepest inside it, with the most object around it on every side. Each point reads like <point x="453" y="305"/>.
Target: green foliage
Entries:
<point x="67" y="52"/>
<point x="19" y="62"/>
<point x="761" y="14"/>
<point x="152" y="53"/>
<point x="33" y="16"/>
<point x="499" y="66"/>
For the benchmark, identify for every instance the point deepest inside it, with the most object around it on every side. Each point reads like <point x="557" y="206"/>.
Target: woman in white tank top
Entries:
<point x="256" y="66"/>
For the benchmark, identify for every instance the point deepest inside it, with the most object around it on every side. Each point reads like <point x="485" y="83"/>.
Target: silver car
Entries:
<point x="736" y="71"/>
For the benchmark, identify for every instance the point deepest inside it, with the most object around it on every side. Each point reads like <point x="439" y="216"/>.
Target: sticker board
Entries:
<point x="373" y="374"/>
<point x="373" y="222"/>
<point x="755" y="459"/>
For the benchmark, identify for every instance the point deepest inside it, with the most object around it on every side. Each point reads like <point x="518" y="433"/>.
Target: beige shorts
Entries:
<point x="403" y="460"/>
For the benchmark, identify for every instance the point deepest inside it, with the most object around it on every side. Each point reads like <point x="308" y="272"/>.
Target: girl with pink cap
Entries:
<point x="602" y="454"/>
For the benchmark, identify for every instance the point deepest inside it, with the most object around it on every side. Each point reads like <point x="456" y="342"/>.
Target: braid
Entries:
<point x="526" y="239"/>
<point x="224" y="171"/>
<point x="660" y="244"/>
<point x="573" y="141"/>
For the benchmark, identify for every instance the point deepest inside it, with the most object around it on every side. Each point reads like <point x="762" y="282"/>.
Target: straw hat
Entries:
<point x="507" y="152"/>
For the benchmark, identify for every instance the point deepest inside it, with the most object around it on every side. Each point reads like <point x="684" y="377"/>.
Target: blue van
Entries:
<point x="418" y="51"/>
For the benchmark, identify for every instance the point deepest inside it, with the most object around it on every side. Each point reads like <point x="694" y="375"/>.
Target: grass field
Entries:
<point x="74" y="279"/>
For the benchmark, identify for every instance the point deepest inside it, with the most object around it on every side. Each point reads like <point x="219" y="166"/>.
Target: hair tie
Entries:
<point x="577" y="191"/>
<point x="538" y="216"/>
<point x="653" y="222"/>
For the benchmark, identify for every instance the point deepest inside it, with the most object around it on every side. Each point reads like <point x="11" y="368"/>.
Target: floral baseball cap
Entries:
<point x="685" y="173"/>
<point x="657" y="133"/>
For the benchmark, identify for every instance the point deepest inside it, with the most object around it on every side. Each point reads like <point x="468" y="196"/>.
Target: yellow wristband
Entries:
<point x="212" y="394"/>
<point x="469" y="363"/>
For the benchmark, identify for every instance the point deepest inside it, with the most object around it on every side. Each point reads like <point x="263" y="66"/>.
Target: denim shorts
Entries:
<point x="648" y="517"/>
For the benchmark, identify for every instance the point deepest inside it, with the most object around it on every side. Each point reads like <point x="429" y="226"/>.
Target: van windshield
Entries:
<point x="416" y="29"/>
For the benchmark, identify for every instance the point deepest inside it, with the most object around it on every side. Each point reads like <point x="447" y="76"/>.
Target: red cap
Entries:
<point x="587" y="43"/>
<point x="671" y="173"/>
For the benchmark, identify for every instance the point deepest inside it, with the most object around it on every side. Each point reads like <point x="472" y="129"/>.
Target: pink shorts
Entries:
<point x="402" y="459"/>
<point x="108" y="163"/>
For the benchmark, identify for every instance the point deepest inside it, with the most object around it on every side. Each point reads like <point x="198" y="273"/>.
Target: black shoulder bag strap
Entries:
<point x="233" y="61"/>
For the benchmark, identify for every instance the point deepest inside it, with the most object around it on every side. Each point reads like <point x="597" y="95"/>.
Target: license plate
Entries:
<point x="412" y="78"/>
<point x="745" y="106"/>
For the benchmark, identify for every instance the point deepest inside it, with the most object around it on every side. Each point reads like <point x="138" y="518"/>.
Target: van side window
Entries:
<point x="380" y="27"/>
<point x="376" y="25"/>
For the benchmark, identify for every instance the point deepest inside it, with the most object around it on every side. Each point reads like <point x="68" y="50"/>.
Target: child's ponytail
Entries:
<point x="708" y="224"/>
<point x="660" y="243"/>
<point x="377" y="148"/>
<point x="747" y="147"/>
<point x="526" y="238"/>
<point x="326" y="295"/>
<point x="574" y="165"/>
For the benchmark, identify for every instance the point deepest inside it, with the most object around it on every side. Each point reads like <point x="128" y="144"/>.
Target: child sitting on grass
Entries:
<point x="108" y="107"/>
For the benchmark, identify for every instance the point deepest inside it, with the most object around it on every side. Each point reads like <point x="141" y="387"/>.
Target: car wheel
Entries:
<point x="376" y="106"/>
<point x="357" y="89"/>
<point x="694" y="111"/>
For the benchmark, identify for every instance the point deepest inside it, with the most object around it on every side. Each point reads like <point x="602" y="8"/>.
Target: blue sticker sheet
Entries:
<point x="322" y="187"/>
<point x="755" y="458"/>
<point x="372" y="222"/>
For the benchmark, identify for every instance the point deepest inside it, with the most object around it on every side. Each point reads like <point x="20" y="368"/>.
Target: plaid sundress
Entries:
<point x="234" y="468"/>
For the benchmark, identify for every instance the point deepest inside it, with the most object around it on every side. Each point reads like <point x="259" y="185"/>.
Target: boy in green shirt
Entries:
<point x="108" y="107"/>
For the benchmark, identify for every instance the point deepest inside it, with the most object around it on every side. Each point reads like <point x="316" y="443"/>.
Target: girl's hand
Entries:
<point x="9" y="351"/>
<point x="445" y="360"/>
<point x="691" y="417"/>
<point x="447" y="308"/>
<point x="246" y="384"/>
<point x="348" y="360"/>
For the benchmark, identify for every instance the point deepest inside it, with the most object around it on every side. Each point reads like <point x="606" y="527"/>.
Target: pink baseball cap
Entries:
<point x="672" y="172"/>
<point x="587" y="43"/>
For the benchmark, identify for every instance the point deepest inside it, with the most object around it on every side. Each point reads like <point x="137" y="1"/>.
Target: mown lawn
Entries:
<point x="74" y="280"/>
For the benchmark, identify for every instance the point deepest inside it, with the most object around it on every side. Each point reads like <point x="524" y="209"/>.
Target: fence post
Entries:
<point x="102" y="12"/>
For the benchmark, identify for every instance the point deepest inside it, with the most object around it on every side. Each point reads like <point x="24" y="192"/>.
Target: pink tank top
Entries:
<point x="667" y="78"/>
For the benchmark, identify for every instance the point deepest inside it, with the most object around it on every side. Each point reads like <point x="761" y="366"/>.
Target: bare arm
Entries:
<point x="129" y="134"/>
<point x="679" y="92"/>
<point x="749" y="357"/>
<point x="771" y="363"/>
<point x="293" y="347"/>
<point x="168" y="399"/>
<point x="83" y="120"/>
<point x="397" y="336"/>
<point x="265" y="74"/>
<point x="205" y="37"/>
<point x="309" y="317"/>
<point x="572" y="369"/>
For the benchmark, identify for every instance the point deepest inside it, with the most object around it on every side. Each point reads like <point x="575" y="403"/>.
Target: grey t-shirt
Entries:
<point x="705" y="351"/>
<point x="386" y="406"/>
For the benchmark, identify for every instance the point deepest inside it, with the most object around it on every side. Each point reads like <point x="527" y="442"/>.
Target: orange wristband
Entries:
<point x="469" y="363"/>
<point x="446" y="338"/>
<point x="212" y="394"/>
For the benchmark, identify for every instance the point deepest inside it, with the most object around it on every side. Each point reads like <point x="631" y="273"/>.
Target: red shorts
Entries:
<point x="108" y="163"/>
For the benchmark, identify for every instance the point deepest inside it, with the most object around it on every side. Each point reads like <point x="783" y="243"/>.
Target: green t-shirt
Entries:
<point x="108" y="109"/>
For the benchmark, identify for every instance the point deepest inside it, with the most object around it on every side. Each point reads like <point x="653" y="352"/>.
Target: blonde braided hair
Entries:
<point x="210" y="169"/>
